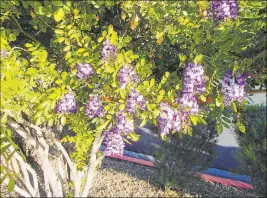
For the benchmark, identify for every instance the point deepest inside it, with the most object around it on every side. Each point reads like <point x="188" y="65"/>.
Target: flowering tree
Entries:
<point x="99" y="82"/>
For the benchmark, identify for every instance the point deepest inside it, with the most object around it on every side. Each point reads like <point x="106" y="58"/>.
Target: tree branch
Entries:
<point x="257" y="91"/>
<point x="21" y="29"/>
<point x="25" y="168"/>
<point x="65" y="154"/>
<point x="92" y="164"/>
<point x="30" y="139"/>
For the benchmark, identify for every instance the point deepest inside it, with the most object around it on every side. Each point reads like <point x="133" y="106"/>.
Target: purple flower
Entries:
<point x="134" y="99"/>
<point x="4" y="53"/>
<point x="85" y="71"/>
<point x="108" y="52"/>
<point x="114" y="143"/>
<point x="123" y="125"/>
<point x="233" y="87"/>
<point x="189" y="103"/>
<point x="126" y="75"/>
<point x="224" y="9"/>
<point x="67" y="104"/>
<point x="94" y="107"/>
<point x="194" y="81"/>
<point x="168" y="119"/>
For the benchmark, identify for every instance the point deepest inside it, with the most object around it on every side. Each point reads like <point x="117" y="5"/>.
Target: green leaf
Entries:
<point x="11" y="184"/>
<point x="28" y="45"/>
<point x="63" y="120"/>
<point x="143" y="123"/>
<point x="107" y="107"/>
<point x="41" y="10"/>
<point x="133" y="136"/>
<point x="233" y="106"/>
<point x="203" y="98"/>
<point x="121" y="107"/>
<point x="43" y="105"/>
<point x="59" y="31"/>
<point x="101" y="127"/>
<point x="31" y="71"/>
<point x="59" y="14"/>
<point x="202" y="120"/>
<point x="193" y="119"/>
<point x="190" y="132"/>
<point x="109" y="117"/>
<point x="42" y="56"/>
<point x="164" y="137"/>
<point x="143" y="61"/>
<point x="152" y="82"/>
<point x="61" y="39"/>
<point x="86" y="54"/>
<point x="219" y="127"/>
<point x="94" y="120"/>
<point x="242" y="128"/>
<point x="81" y="50"/>
<point x="38" y="121"/>
<point x="198" y="59"/>
<point x="226" y="125"/>
<point x="50" y="122"/>
<point x="226" y="120"/>
<point x="114" y="38"/>
<point x="218" y="103"/>
<point x="161" y="92"/>
<point x="182" y="57"/>
<point x="235" y="68"/>
<point x="11" y="37"/>
<point x="156" y="112"/>
<point x="57" y="3"/>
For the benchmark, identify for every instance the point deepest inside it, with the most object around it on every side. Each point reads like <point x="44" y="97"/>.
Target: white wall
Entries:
<point x="227" y="137"/>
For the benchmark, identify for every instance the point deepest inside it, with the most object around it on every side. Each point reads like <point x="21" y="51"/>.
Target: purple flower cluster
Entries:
<point x="114" y="143"/>
<point x="127" y="74"/>
<point x="224" y="9"/>
<point x="169" y="119"/>
<point x="123" y="126"/>
<point x="233" y="87"/>
<point x="134" y="99"/>
<point x="194" y="84"/>
<point x="194" y="81"/>
<point x="67" y="104"/>
<point x="85" y="71"/>
<point x="94" y="107"/>
<point x="108" y="52"/>
<point x="113" y="138"/>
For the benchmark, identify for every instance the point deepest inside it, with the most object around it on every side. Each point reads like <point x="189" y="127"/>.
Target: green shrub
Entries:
<point x="252" y="157"/>
<point x="179" y="158"/>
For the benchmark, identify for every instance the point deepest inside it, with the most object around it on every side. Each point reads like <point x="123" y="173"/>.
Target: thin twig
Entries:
<point x="21" y="29"/>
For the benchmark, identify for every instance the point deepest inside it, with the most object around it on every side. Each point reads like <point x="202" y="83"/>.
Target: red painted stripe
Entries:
<point x="131" y="159"/>
<point x="224" y="181"/>
<point x="203" y="176"/>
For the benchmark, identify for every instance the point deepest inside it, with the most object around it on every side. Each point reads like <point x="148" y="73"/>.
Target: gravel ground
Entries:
<point x="125" y="179"/>
<point x="116" y="178"/>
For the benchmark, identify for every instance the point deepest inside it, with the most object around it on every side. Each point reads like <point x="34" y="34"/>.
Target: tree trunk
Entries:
<point x="54" y="175"/>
